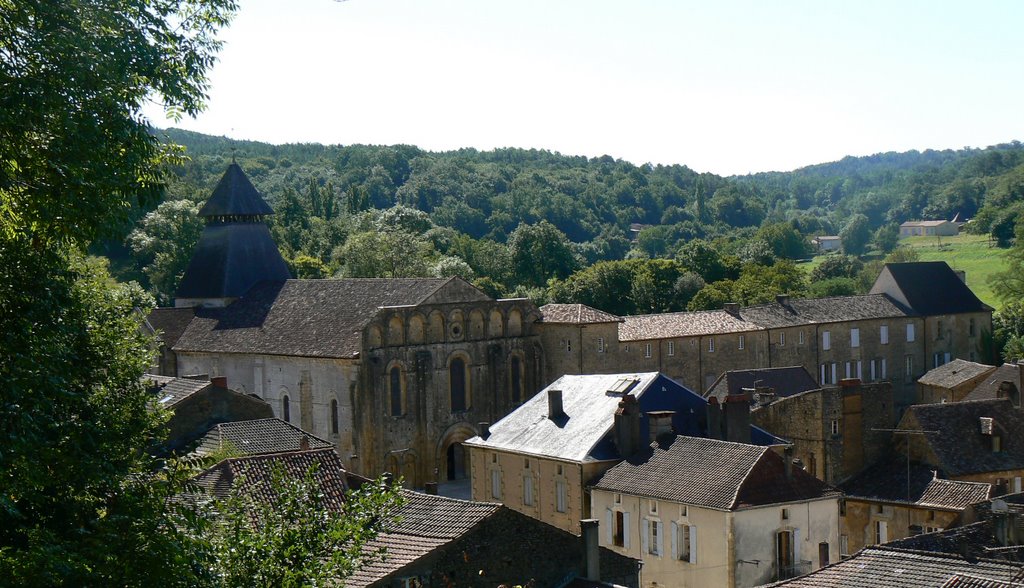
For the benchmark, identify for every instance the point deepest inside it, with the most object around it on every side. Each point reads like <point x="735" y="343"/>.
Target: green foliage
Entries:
<point x="839" y="286"/>
<point x="758" y="284"/>
<point x="163" y="244"/>
<point x="837" y="266"/>
<point x="540" y="252"/>
<point x="295" y="538"/>
<point x="699" y="256"/>
<point x="886" y="238"/>
<point x="855" y="235"/>
<point x="634" y="286"/>
<point x="1009" y="285"/>
<point x="306" y="267"/>
<point x="785" y="240"/>
<point x="712" y="296"/>
<point x="385" y="254"/>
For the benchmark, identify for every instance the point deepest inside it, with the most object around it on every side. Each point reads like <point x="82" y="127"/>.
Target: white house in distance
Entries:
<point x="827" y="242"/>
<point x="929" y="228"/>
<point x="704" y="512"/>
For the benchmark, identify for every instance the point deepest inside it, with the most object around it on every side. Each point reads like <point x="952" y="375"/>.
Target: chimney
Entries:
<point x="627" y="426"/>
<point x="714" y="418"/>
<point x="737" y="416"/>
<point x="732" y="308"/>
<point x="851" y="384"/>
<point x="763" y="395"/>
<point x="485" y="430"/>
<point x="219" y="381"/>
<point x="304" y="443"/>
<point x="787" y="462"/>
<point x="430" y="488"/>
<point x="555" y="411"/>
<point x="591" y="552"/>
<point x="782" y="299"/>
<point x="659" y="422"/>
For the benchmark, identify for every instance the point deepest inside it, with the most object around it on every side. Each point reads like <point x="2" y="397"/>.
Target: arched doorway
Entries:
<point x="457" y="462"/>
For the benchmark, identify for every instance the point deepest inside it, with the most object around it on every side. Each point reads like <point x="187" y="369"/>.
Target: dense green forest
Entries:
<point x="625" y="238"/>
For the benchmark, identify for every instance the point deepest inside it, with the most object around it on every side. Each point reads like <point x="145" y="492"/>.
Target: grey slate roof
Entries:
<point x="235" y="195"/>
<point x="954" y="373"/>
<point x="928" y="287"/>
<point x="886" y="567"/>
<point x="255" y="437"/>
<point x="887" y="482"/>
<point x="786" y="381"/>
<point x="711" y="473"/>
<point x="586" y="402"/>
<point x="231" y="258"/>
<point x="254" y="474"/>
<point x="169" y="323"/>
<point x="311" y="318"/>
<point x="988" y="389"/>
<point x="682" y="324"/>
<point x="975" y="540"/>
<point x="575" y="314"/>
<point x="960" y="447"/>
<point x="807" y="311"/>
<point x="169" y="391"/>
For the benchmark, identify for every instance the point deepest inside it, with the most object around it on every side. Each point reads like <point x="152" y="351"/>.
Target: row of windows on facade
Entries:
<point x="529" y="497"/>
<point x="682" y="535"/>
<point x="286" y="413"/>
<point x="826" y="339"/>
<point x="877" y="368"/>
<point x="458" y="386"/>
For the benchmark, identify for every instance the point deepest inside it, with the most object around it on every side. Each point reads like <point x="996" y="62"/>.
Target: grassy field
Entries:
<point x="971" y="253"/>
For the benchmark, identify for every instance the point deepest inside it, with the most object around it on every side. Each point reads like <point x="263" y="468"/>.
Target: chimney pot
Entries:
<point x="219" y="381"/>
<point x="485" y="430"/>
<point x="555" y="404"/>
<point x="782" y="299"/>
<point x="732" y="308"/>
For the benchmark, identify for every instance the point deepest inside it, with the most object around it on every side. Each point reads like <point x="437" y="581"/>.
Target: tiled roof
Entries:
<point x="807" y="311"/>
<point x="885" y="567"/>
<point x="170" y="323"/>
<point x="928" y="287"/>
<point x="311" y="318"/>
<point x="954" y="373"/>
<point x="711" y="473"/>
<point x="589" y="408"/>
<point x="254" y="473"/>
<point x="785" y="381"/>
<point x="887" y="482"/>
<point x="169" y="391"/>
<point x="235" y="195"/>
<point x="973" y="540"/>
<point x="258" y="436"/>
<point x="968" y="581"/>
<point x="988" y="389"/>
<point x="682" y="324"/>
<point x="229" y="259"/>
<point x="575" y="314"/>
<point x="959" y="446"/>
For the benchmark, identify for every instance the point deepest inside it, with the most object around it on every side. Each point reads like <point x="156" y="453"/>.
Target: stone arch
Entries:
<point x="456" y="326"/>
<point x="396" y="330"/>
<point x="476" y="324"/>
<point x="374" y="337"/>
<point x="435" y="326"/>
<point x="417" y="329"/>
<point x="495" y="324"/>
<point x="284" y="404"/>
<point x="515" y="323"/>
<point x="451" y="443"/>
<point x="396" y="384"/>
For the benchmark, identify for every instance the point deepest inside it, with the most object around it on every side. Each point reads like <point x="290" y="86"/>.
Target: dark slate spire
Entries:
<point x="235" y="196"/>
<point x="235" y="251"/>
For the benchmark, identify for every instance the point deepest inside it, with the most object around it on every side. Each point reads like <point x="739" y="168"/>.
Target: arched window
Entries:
<point x="457" y="384"/>
<point x="334" y="416"/>
<point x="517" y="379"/>
<point x="286" y="410"/>
<point x="395" y="385"/>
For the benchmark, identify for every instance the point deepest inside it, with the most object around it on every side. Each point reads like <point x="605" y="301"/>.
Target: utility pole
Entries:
<point x="908" y="433"/>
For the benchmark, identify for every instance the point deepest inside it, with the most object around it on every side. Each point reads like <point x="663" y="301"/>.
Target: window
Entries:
<point x="397" y="406"/>
<point x="835" y="372"/>
<point x="800" y="338"/>
<point x="526" y="463"/>
<point x="561" y="470"/>
<point x="826" y="340"/>
<point x="600" y="344"/>
<point x="784" y="553"/>
<point x="742" y="341"/>
<point x="881" y="532"/>
<point x="683" y="510"/>
<point x="457" y="384"/>
<point x="874" y="371"/>
<point x="937" y="360"/>
<point x="848" y="370"/>
<point x="568" y="345"/>
<point x="496" y="483"/>
<point x="835" y="426"/>
<point x="494" y="458"/>
<point x="618" y="527"/>
<point x="528" y="490"/>
<point x="653" y="506"/>
<point x="785" y="514"/>
<point x="654" y="537"/>
<point x="618" y="499"/>
<point x="684" y="542"/>
<point x="859" y="373"/>
<point x="854" y="337"/>
<point x="883" y="334"/>
<point x="908" y="366"/>
<point x="647" y="350"/>
<point x="910" y="332"/>
<point x="561" y="496"/>
<point x="711" y="344"/>
<point x="844" y="545"/>
<point x="517" y="379"/>
<point x="823" y="376"/>
<point x="938" y="329"/>
<point x="334" y="416"/>
<point x="286" y="409"/>
<point x="671" y="348"/>
<point x="1016" y="485"/>
<point x="997" y="444"/>
<point x="782" y="339"/>
<point x="822" y="554"/>
<point x="883" y="369"/>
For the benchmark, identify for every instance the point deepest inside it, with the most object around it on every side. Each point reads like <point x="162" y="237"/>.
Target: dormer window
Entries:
<point x="997" y="444"/>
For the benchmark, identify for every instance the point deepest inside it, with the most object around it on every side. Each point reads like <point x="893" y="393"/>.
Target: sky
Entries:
<point x="724" y="86"/>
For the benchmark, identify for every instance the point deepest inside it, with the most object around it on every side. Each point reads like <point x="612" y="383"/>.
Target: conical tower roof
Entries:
<point x="235" y="195"/>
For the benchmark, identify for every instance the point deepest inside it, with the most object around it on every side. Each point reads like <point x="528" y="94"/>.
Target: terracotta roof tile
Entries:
<point x="682" y="324"/>
<point x="256" y="437"/>
<point x="954" y="373"/>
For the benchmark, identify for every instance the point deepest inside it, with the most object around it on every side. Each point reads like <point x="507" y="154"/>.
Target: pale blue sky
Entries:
<point x="722" y="86"/>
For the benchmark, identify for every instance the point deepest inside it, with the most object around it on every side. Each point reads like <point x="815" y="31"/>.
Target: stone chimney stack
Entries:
<point x="219" y="381"/>
<point x="787" y="461"/>
<point x="485" y="430"/>
<point x="555" y="411"/>
<point x="304" y="443"/>
<point x="659" y="422"/>
<point x="737" y="416"/>
<point x="782" y="299"/>
<point x="591" y="552"/>
<point x="732" y="308"/>
<point x="627" y="426"/>
<point x="714" y="418"/>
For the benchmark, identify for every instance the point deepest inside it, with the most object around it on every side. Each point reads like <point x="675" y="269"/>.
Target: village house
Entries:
<point x="929" y="228"/>
<point x="951" y="382"/>
<point x="1003" y="382"/>
<point x="767" y="384"/>
<point x="539" y="458"/>
<point x="892" y="501"/>
<point x="827" y="242"/>
<point x="705" y="512"/>
<point x="256" y="437"/>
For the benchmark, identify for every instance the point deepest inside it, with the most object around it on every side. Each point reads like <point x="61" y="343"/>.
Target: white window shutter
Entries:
<point x="625" y="530"/>
<point x="947" y="357"/>
<point x="693" y="544"/>
<point x="883" y="368"/>
<point x="796" y="546"/>
<point x="645" y="537"/>
<point x="661" y="538"/>
<point x="608" y="530"/>
<point x="675" y="536"/>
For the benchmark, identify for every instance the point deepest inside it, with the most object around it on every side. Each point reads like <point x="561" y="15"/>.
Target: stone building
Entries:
<point x="395" y="372"/>
<point x="1004" y="382"/>
<point x="704" y="512"/>
<point x="951" y="382"/>
<point x="834" y="431"/>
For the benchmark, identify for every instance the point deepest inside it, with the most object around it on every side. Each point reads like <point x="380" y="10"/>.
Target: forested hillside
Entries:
<point x="623" y="237"/>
